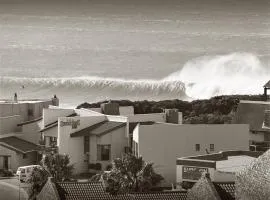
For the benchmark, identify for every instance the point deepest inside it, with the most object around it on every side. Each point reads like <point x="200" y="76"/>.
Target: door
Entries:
<point x="5" y="162"/>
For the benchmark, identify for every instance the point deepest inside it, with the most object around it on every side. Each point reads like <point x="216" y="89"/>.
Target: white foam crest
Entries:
<point x="236" y="73"/>
<point x="153" y="86"/>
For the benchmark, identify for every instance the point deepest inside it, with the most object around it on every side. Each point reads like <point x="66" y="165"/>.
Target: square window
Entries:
<point x="103" y="152"/>
<point x="197" y="147"/>
<point x="212" y="147"/>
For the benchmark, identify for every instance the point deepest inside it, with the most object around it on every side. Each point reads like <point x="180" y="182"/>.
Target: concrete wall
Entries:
<point x="16" y="159"/>
<point x="156" y="117"/>
<point x="51" y="115"/>
<point x="9" y="124"/>
<point x="126" y="110"/>
<point x="164" y="143"/>
<point x="30" y="132"/>
<point x="22" y="107"/>
<point x="74" y="147"/>
<point x="116" y="139"/>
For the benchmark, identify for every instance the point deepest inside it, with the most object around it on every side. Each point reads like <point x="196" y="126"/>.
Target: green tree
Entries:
<point x="130" y="174"/>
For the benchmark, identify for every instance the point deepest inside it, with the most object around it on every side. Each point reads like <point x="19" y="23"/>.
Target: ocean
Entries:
<point x="88" y="51"/>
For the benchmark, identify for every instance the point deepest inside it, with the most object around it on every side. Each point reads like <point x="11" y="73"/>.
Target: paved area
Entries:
<point x="12" y="189"/>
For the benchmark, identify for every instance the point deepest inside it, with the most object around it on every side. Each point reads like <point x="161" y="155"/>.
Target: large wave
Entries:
<point x="203" y="77"/>
<point x="236" y="73"/>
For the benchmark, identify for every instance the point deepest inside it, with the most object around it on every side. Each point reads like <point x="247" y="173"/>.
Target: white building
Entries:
<point x="94" y="137"/>
<point x="162" y="143"/>
<point x="20" y="122"/>
<point x="221" y="167"/>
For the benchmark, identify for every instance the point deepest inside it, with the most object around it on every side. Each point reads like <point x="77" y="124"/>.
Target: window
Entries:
<point x="212" y="147"/>
<point x="24" y="155"/>
<point x="86" y="144"/>
<point x="197" y="147"/>
<point x="103" y="152"/>
<point x="53" y="141"/>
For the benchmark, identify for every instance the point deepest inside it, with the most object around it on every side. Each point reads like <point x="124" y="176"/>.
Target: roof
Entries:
<point x="253" y="181"/>
<point x="30" y="121"/>
<point x="98" y="129"/>
<point x="19" y="145"/>
<point x="206" y="189"/>
<point x="267" y="85"/>
<point x="55" y="123"/>
<point x="234" y="163"/>
<point x="225" y="190"/>
<point x="251" y="113"/>
<point x="95" y="190"/>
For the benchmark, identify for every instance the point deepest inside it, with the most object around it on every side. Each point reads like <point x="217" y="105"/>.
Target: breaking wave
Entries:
<point x="236" y="73"/>
<point x="203" y="77"/>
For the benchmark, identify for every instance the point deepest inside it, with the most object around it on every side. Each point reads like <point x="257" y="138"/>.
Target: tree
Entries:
<point x="52" y="165"/>
<point x="58" y="166"/>
<point x="130" y="174"/>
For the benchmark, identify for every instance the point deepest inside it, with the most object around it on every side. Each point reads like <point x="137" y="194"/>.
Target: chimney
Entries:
<point x="267" y="118"/>
<point x="55" y="101"/>
<point x="172" y="116"/>
<point x="110" y="108"/>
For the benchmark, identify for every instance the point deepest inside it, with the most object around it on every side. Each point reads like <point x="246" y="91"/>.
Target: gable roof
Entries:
<point x="95" y="190"/>
<point x="252" y="113"/>
<point x="18" y="145"/>
<point x="206" y="189"/>
<point x="98" y="129"/>
<point x="55" y="123"/>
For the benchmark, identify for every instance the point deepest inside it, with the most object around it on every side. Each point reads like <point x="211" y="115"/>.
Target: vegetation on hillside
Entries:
<point x="217" y="110"/>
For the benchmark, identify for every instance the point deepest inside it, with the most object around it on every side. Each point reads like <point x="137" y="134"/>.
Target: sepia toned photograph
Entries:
<point x="134" y="99"/>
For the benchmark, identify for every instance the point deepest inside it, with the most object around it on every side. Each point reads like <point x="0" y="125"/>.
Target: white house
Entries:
<point x="94" y="137"/>
<point x="162" y="143"/>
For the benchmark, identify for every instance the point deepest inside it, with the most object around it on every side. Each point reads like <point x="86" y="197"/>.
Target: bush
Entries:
<point x="6" y="173"/>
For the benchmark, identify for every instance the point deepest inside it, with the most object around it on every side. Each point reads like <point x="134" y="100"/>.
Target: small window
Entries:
<point x="103" y="152"/>
<point x="212" y="147"/>
<point x="86" y="144"/>
<point x="197" y="147"/>
<point x="24" y="155"/>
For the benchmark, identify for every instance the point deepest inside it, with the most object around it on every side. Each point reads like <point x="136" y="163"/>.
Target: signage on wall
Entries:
<point x="70" y="122"/>
<point x="193" y="173"/>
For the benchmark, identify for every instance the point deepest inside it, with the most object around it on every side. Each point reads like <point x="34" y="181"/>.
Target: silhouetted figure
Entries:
<point x="15" y="97"/>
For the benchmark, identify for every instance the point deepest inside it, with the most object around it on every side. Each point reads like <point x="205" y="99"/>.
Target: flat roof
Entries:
<point x="234" y="163"/>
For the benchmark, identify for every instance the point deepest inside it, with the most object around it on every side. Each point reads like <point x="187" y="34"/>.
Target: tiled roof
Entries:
<point x="225" y="190"/>
<point x="171" y="195"/>
<point x="29" y="122"/>
<point x="252" y="114"/>
<point x="99" y="129"/>
<point x="18" y="144"/>
<point x="75" y="190"/>
<point x="95" y="190"/>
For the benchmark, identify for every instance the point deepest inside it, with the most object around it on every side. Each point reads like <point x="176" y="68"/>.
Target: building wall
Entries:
<point x="51" y="115"/>
<point x="31" y="132"/>
<point x="16" y="159"/>
<point x="164" y="143"/>
<point x="9" y="124"/>
<point x="126" y="110"/>
<point x="116" y="139"/>
<point x="74" y="147"/>
<point x="156" y="117"/>
<point x="87" y="112"/>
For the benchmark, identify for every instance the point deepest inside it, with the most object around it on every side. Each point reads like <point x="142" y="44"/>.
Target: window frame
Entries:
<point x="197" y="147"/>
<point x="100" y="152"/>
